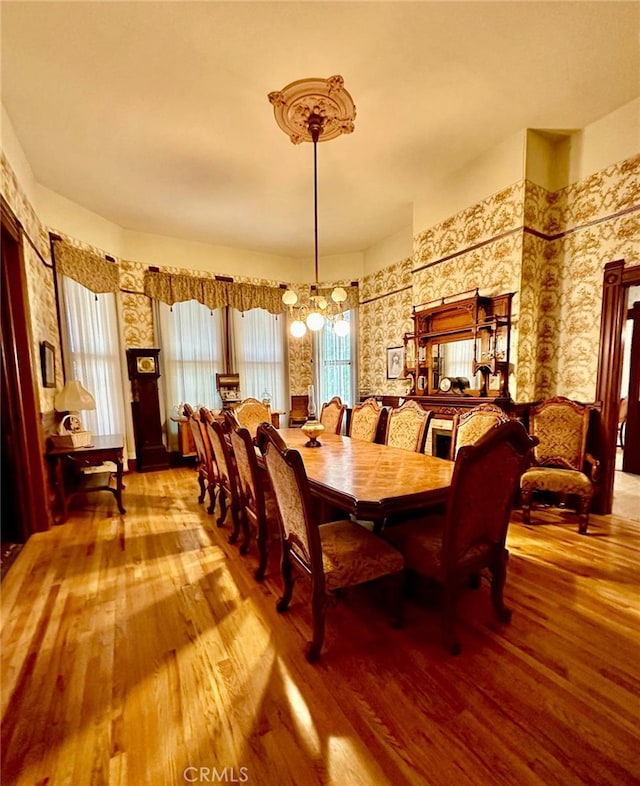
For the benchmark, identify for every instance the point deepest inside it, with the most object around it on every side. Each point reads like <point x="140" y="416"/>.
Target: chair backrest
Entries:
<point x="561" y="426"/>
<point x="470" y="426"/>
<point x="364" y="420"/>
<point x="298" y="525"/>
<point x="221" y="452"/>
<point x="196" y="425"/>
<point x="299" y="409"/>
<point x="331" y="415"/>
<point x="407" y="427"/>
<point x="485" y="480"/>
<point x="250" y="413"/>
<point x="251" y="489"/>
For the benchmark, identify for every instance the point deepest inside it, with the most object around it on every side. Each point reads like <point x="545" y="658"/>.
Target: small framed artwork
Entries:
<point x="395" y="362"/>
<point x="48" y="364"/>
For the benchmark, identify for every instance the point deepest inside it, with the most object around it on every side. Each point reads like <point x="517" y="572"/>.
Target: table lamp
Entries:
<point x="72" y="399"/>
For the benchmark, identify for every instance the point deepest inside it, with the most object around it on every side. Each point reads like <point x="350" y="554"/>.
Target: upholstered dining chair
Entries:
<point x="250" y="413"/>
<point x="257" y="503"/>
<point x="407" y="427"/>
<point x="227" y="481"/>
<point x="334" y="555"/>
<point x="364" y="420"/>
<point x="562" y="465"/>
<point x="470" y="536"/>
<point x="331" y="415"/>
<point x="205" y="461"/>
<point x="469" y="426"/>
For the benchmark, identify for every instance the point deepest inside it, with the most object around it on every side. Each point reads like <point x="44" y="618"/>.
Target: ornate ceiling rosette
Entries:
<point x="295" y="103"/>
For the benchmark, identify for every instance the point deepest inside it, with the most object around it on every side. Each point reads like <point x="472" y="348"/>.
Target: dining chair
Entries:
<point x="227" y="482"/>
<point x="407" y="427"/>
<point x="364" y="420"/>
<point x="257" y="502"/>
<point x="299" y="411"/>
<point x="562" y="465"/>
<point x="331" y="415"/>
<point x="205" y="462"/>
<point x="335" y="555"/>
<point x="469" y="426"/>
<point x="250" y="413"/>
<point x="470" y="536"/>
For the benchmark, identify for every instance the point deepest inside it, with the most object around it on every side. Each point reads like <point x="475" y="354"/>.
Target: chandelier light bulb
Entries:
<point x="289" y="298"/>
<point x="321" y="302"/>
<point x="341" y="327"/>
<point x="339" y="295"/>
<point x="298" y="329"/>
<point x="315" y="321"/>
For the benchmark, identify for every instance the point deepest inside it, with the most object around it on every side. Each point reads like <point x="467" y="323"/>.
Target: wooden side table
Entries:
<point x="103" y="448"/>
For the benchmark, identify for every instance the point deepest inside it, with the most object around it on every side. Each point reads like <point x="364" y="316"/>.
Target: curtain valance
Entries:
<point x="173" y="288"/>
<point x="86" y="267"/>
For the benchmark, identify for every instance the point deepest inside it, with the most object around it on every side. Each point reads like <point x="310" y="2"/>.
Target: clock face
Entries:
<point x="70" y="424"/>
<point x="146" y="365"/>
<point x="445" y="385"/>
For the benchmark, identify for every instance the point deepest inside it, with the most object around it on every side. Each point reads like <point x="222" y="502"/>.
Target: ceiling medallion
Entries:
<point x="295" y="103"/>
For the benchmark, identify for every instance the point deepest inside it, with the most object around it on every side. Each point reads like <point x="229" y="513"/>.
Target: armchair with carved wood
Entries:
<point x="258" y="510"/>
<point x="469" y="426"/>
<point x="250" y="413"/>
<point x="335" y="555"/>
<point x="470" y="537"/>
<point x="364" y="420"/>
<point x="332" y="414"/>
<point x="227" y="480"/>
<point x="407" y="427"/>
<point x="562" y="465"/>
<point x="206" y="465"/>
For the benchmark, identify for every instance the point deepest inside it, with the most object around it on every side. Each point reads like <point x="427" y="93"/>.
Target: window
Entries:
<point x="93" y="354"/>
<point x="259" y="348"/>
<point x="191" y="339"/>
<point x="335" y="372"/>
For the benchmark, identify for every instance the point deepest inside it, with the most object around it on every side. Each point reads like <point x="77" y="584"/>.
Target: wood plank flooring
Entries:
<point x="139" y="649"/>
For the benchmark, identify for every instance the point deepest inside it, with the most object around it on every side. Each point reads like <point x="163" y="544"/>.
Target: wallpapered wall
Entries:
<point x="548" y="248"/>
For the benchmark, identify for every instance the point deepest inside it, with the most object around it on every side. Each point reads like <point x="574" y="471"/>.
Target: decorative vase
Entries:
<point x="312" y="428"/>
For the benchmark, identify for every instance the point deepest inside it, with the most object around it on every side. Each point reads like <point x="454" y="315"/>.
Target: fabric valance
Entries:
<point x="173" y="288"/>
<point x="86" y="267"/>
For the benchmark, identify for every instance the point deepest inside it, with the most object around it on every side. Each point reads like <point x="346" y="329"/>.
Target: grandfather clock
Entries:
<point x="144" y="370"/>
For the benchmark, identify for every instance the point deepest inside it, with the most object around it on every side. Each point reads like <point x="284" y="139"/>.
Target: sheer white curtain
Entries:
<point x="335" y="366"/>
<point x="259" y="349"/>
<point x="190" y="337"/>
<point x="93" y="354"/>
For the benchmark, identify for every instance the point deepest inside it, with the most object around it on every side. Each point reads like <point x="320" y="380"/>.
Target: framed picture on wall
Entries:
<point x="48" y="364"/>
<point x="395" y="362"/>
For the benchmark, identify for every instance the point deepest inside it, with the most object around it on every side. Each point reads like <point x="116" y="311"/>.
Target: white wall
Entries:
<point x="387" y="252"/>
<point x="609" y="140"/>
<point x="476" y="180"/>
<point x="16" y="157"/>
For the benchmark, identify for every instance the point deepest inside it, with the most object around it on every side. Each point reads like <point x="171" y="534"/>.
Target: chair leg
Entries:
<point x="203" y="488"/>
<point x="583" y="515"/>
<point x="246" y="531"/>
<point x="287" y="579"/>
<point x="263" y="551"/>
<point x="222" y="498"/>
<point x="526" y="495"/>
<point x="212" y="497"/>
<point x="319" y="611"/>
<point x="498" y="578"/>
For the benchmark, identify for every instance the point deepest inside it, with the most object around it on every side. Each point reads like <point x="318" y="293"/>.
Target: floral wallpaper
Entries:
<point x="549" y="248"/>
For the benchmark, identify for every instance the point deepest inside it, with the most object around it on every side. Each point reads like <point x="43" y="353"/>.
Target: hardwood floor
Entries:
<point x="139" y="649"/>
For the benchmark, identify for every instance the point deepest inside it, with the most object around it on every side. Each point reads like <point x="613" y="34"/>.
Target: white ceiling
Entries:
<point x="155" y="114"/>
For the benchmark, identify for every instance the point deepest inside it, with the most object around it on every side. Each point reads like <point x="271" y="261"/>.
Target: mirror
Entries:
<point x="455" y="359"/>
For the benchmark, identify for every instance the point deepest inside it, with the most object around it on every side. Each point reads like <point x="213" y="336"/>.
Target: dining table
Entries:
<point x="369" y="480"/>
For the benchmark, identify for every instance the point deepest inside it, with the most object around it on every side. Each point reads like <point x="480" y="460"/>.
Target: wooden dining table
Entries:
<point x="369" y="480"/>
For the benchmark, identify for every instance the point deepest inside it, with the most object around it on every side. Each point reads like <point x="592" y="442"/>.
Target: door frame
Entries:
<point x="616" y="282"/>
<point x="26" y="438"/>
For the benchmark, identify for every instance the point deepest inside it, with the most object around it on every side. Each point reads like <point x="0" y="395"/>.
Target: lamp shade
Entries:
<point x="73" y="398"/>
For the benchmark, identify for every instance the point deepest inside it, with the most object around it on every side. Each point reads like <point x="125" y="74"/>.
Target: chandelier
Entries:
<point x="312" y="110"/>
